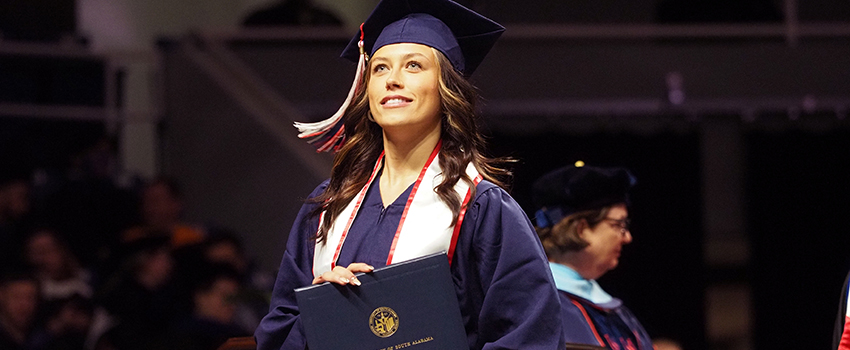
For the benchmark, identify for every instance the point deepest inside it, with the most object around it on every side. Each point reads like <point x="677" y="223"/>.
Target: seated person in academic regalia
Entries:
<point x="583" y="223"/>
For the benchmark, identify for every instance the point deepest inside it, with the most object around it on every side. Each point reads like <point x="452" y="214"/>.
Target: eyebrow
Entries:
<point x="403" y="58"/>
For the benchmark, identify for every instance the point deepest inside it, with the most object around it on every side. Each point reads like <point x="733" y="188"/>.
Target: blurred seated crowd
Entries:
<point x="87" y="263"/>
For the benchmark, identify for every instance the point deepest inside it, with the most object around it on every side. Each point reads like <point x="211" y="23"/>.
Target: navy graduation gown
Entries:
<point x="610" y="325"/>
<point x="504" y="286"/>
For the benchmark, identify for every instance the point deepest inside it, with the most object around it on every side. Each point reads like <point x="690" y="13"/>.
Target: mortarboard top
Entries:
<point x="575" y="188"/>
<point x="463" y="35"/>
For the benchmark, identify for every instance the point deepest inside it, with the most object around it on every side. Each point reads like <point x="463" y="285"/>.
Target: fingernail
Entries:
<point x="355" y="281"/>
<point x="371" y="267"/>
<point x="343" y="280"/>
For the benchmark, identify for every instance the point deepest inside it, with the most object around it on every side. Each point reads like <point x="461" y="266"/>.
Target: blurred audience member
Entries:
<point x="19" y="303"/>
<point x="213" y="314"/>
<point x="224" y="247"/>
<point x="56" y="267"/>
<point x="14" y="201"/>
<point x="88" y="204"/>
<point x="161" y="211"/>
<point x="139" y="297"/>
<point x="68" y="321"/>
<point x="14" y="209"/>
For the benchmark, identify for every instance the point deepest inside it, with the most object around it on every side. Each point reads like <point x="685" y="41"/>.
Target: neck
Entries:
<point x="403" y="161"/>
<point x="404" y="158"/>
<point x="574" y="261"/>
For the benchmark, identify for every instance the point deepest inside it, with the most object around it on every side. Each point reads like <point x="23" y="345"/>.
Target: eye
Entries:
<point x="379" y="68"/>
<point x="414" y="65"/>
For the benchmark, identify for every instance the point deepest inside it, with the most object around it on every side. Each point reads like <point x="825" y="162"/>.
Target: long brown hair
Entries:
<point x="462" y="143"/>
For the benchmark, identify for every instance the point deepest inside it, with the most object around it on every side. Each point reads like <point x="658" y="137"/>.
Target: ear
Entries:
<point x="581" y="225"/>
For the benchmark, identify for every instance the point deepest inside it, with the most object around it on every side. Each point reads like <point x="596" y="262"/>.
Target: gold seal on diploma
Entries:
<point x="383" y="322"/>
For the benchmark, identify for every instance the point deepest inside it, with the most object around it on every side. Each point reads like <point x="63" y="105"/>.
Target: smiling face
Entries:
<point x="403" y="88"/>
<point x="605" y="242"/>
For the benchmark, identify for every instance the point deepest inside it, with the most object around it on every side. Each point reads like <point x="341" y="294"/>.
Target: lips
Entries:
<point x="395" y="101"/>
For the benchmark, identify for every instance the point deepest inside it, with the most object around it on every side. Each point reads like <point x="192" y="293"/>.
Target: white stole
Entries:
<point x="425" y="226"/>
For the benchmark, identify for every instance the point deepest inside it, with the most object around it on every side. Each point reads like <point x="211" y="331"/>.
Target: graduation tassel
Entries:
<point x="329" y="134"/>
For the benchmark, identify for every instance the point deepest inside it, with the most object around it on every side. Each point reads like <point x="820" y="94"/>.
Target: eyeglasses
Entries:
<point x="621" y="224"/>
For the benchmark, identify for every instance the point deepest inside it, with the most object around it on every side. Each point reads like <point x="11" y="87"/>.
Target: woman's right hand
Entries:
<point x="344" y="275"/>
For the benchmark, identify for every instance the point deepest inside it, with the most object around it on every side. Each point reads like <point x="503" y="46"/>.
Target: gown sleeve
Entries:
<point x="281" y="328"/>
<point x="505" y="288"/>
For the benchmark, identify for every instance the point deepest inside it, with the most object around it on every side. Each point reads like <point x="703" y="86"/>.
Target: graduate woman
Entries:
<point x="583" y="222"/>
<point x="410" y="179"/>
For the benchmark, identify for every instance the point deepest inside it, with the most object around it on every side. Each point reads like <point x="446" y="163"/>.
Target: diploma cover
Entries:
<point x="411" y="304"/>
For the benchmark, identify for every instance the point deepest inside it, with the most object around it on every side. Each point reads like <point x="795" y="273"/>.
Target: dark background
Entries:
<point x="796" y="182"/>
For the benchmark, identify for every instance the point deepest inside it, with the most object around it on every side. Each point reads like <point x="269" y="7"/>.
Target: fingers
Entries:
<point x="319" y="279"/>
<point x="334" y="277"/>
<point x="342" y="276"/>
<point x="360" y="267"/>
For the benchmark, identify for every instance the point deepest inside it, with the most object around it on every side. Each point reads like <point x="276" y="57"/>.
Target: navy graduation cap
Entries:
<point x="570" y="189"/>
<point x="464" y="36"/>
<point x="461" y="34"/>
